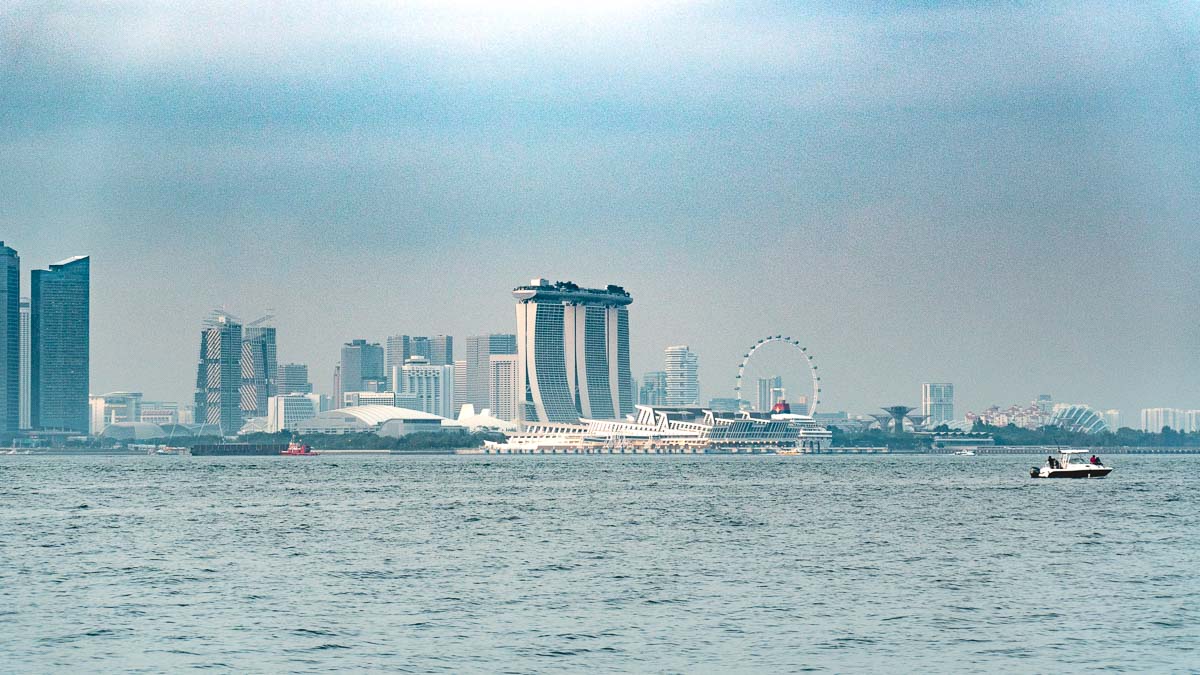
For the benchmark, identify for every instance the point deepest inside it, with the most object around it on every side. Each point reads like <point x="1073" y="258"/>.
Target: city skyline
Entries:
<point x="1129" y="411"/>
<point x="919" y="201"/>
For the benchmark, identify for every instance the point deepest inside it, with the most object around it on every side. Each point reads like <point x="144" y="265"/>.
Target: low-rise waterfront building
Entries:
<point x="672" y="429"/>
<point x="378" y="419"/>
<point x="286" y="411"/>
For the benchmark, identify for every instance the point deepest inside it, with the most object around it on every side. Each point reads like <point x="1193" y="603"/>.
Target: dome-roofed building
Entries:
<point x="384" y="420"/>
<point x="133" y="431"/>
<point x="1074" y="417"/>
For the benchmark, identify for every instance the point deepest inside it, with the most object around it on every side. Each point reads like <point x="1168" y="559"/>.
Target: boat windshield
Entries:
<point x="1075" y="459"/>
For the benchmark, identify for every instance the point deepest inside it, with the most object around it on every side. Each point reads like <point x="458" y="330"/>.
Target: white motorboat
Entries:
<point x="965" y="453"/>
<point x="1071" y="464"/>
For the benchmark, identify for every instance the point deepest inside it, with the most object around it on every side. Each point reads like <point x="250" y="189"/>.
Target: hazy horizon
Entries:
<point x="1004" y="197"/>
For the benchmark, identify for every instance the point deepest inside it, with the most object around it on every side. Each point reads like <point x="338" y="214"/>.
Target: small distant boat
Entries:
<point x="965" y="453"/>
<point x="295" y="449"/>
<point x="788" y="452"/>
<point x="1070" y="464"/>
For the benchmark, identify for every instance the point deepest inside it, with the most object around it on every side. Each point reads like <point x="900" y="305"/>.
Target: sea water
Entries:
<point x="613" y="563"/>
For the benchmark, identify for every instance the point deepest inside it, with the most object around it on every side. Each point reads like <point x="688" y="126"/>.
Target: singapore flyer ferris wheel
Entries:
<point x="783" y="347"/>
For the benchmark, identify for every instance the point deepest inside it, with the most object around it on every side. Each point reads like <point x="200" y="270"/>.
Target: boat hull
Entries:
<point x="1097" y="472"/>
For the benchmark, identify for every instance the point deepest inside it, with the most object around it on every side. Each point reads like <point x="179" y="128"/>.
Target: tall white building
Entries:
<point x="460" y="383"/>
<point x="480" y="349"/>
<point x="937" y="402"/>
<point x="432" y="385"/>
<point x="1112" y="418"/>
<point x="683" y="376"/>
<point x="285" y="411"/>
<point x="502" y="386"/>
<point x="1154" y="419"/>
<point x="573" y="352"/>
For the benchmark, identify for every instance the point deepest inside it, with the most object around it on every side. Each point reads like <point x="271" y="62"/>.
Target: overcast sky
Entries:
<point x="1005" y="196"/>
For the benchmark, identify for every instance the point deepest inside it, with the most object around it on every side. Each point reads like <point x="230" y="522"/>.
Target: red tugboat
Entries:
<point x="298" y="449"/>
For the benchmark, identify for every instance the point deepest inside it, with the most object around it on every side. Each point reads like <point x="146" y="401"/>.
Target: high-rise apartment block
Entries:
<point x="219" y="374"/>
<point x="503" y="388"/>
<point x="654" y="388"/>
<point x="937" y="402"/>
<point x="480" y="349"/>
<point x="573" y="352"/>
<point x="683" y="376"/>
<point x="1155" y="419"/>
<point x="293" y="379"/>
<point x="1112" y="418"/>
<point x="59" y="353"/>
<point x="10" y="340"/>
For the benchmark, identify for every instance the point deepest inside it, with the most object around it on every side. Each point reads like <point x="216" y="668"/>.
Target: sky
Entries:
<point x="1001" y="195"/>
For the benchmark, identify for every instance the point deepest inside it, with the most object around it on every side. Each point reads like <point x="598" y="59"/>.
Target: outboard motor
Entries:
<point x="1035" y="472"/>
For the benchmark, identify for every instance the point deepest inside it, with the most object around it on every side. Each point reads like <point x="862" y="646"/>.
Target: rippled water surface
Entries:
<point x="528" y="564"/>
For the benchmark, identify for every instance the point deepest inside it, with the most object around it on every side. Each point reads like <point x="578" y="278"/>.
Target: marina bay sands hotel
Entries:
<point x="573" y="351"/>
<point x="576" y="391"/>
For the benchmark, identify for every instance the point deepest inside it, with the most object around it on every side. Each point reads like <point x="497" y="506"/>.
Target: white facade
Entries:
<point x="460" y="383"/>
<point x="112" y="408"/>
<point x="664" y="429"/>
<point x="1154" y="419"/>
<point x="396" y="399"/>
<point x="286" y="411"/>
<point x="432" y="385"/>
<point x="937" y="402"/>
<point x="160" y="412"/>
<point x="572" y="352"/>
<point x="1112" y="418"/>
<point x="502" y="386"/>
<point x="683" y="376"/>
<point x="378" y="419"/>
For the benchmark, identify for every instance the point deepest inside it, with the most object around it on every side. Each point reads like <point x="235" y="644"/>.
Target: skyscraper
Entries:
<point x="10" y="339"/>
<point x="433" y="385"/>
<point x="480" y="349"/>
<point x="260" y="367"/>
<point x="441" y="350"/>
<point x="937" y="402"/>
<point x="362" y="367"/>
<point x="573" y="352"/>
<point x="654" y="388"/>
<point x="59" y="358"/>
<point x="219" y="374"/>
<point x="437" y="350"/>
<point x="770" y="391"/>
<point x="25" y="363"/>
<point x="502" y="386"/>
<point x="1112" y="418"/>
<point x="683" y="376"/>
<point x="293" y="379"/>
<point x="460" y="383"/>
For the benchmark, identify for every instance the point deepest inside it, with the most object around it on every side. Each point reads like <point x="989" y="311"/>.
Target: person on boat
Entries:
<point x="1052" y="462"/>
<point x="1096" y="460"/>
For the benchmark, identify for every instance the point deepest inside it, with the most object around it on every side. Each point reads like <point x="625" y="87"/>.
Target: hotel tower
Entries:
<point x="573" y="352"/>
